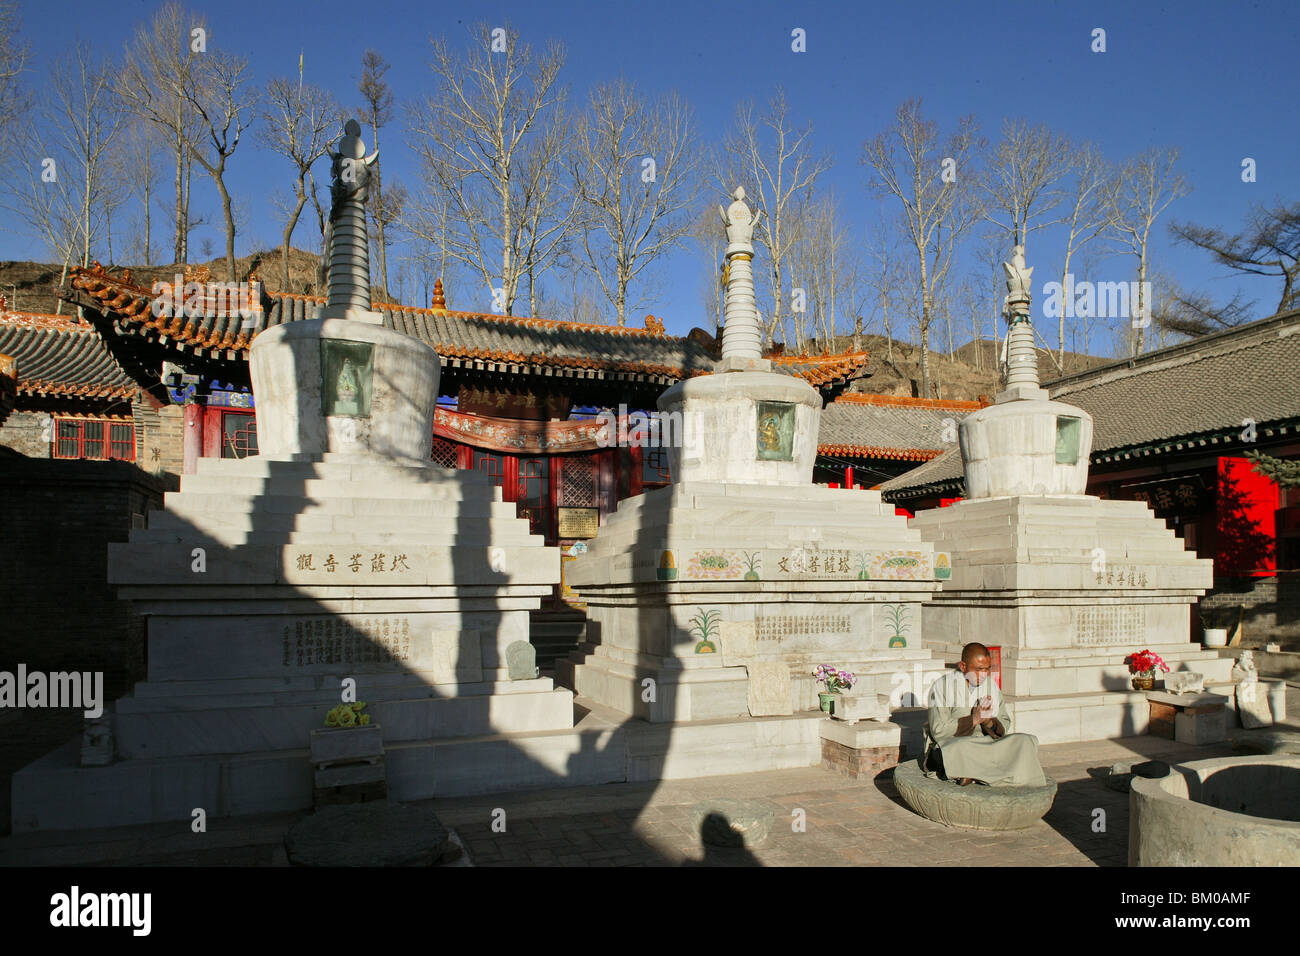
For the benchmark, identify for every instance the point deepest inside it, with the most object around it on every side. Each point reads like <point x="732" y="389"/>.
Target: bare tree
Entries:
<point x="1269" y="245"/>
<point x="712" y="240"/>
<point x="299" y="122"/>
<point x="817" y="274"/>
<point x="62" y="185"/>
<point x="377" y="109"/>
<point x="135" y="168"/>
<point x="1090" y="212"/>
<point x="886" y="281"/>
<point x="225" y="103"/>
<point x="83" y="124"/>
<point x="634" y="167"/>
<point x="1025" y="180"/>
<point x="776" y="165"/>
<point x="936" y="184"/>
<point x="1194" y="314"/>
<point x="547" y="203"/>
<point x="13" y="57"/>
<point x="470" y="140"/>
<point x="156" y="82"/>
<point x="1147" y="185"/>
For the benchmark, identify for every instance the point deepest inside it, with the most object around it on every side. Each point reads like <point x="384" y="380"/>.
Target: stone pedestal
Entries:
<point x="695" y="586"/>
<point x="861" y="749"/>
<point x="1067" y="586"/>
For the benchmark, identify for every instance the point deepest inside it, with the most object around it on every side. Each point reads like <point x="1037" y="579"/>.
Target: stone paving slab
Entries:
<point x="845" y="822"/>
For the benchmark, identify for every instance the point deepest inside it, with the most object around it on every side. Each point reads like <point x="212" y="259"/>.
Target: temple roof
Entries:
<point x="474" y="340"/>
<point x="895" y="427"/>
<point x="60" y="356"/>
<point x="1196" y="393"/>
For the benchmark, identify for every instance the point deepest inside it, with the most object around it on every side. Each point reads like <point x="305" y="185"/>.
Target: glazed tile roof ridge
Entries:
<point x="1161" y="402"/>
<point x="431" y="325"/>
<point x="61" y="356"/>
<point x="879" y="451"/>
<point x="907" y="401"/>
<point x="1218" y="343"/>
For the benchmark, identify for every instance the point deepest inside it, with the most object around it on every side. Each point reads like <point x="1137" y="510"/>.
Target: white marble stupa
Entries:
<point x="340" y="551"/>
<point x="715" y="597"/>
<point x="1065" y="583"/>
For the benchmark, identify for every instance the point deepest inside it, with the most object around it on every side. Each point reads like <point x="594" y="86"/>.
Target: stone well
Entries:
<point x="1232" y="811"/>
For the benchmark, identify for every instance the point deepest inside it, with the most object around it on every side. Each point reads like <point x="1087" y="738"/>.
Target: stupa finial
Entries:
<point x="1022" y="361"/>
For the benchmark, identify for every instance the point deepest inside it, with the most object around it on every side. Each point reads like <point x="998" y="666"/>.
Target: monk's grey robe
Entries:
<point x="997" y="756"/>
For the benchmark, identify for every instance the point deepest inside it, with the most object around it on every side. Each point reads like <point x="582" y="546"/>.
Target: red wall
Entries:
<point x="1246" y="530"/>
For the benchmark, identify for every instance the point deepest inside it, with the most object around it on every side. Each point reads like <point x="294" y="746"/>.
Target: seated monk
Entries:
<point x="971" y="729"/>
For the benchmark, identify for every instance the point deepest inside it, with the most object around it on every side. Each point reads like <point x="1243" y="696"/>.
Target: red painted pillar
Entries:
<point x="848" y="477"/>
<point x="1246" y="513"/>
<point x="192" y="438"/>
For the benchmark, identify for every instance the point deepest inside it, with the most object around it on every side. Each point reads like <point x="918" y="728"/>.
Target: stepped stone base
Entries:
<point x="604" y="747"/>
<point x="709" y="600"/>
<point x="269" y="584"/>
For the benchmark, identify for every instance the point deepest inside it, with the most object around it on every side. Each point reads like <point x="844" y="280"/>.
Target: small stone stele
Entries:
<point x="97" y="742"/>
<point x="855" y="707"/>
<point x="521" y="661"/>
<point x="1252" y="704"/>
<point x="1185" y="682"/>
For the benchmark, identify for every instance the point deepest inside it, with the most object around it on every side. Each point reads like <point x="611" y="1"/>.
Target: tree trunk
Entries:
<point x="288" y="234"/>
<point x="218" y="177"/>
<point x="178" y="249"/>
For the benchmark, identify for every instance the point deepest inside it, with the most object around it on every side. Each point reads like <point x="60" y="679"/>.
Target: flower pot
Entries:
<point x="826" y="701"/>
<point x="330" y="745"/>
<point x="1216" y="637"/>
<point x="1144" y="682"/>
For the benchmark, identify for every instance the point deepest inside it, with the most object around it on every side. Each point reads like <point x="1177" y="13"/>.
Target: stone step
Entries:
<point x="441" y="527"/>
<point x="338" y="469"/>
<point x="255" y="487"/>
<point x="230" y="725"/>
<point x="197" y="504"/>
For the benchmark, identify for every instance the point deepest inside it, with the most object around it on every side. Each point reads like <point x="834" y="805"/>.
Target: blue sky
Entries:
<point x="1215" y="79"/>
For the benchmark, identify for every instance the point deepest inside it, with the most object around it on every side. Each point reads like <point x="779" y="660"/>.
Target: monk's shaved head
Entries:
<point x="972" y="651"/>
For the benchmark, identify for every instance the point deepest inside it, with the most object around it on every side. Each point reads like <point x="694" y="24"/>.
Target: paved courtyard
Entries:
<point x="845" y="823"/>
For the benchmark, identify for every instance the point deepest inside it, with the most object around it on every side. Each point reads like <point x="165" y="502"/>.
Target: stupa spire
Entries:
<point x="1022" y="361"/>
<point x="741" y="336"/>
<point x="349" y="243"/>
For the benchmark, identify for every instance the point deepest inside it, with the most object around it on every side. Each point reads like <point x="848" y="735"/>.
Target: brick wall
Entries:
<point x="158" y="435"/>
<point x="1272" y="606"/>
<point x="57" y="518"/>
<point x="28" y="433"/>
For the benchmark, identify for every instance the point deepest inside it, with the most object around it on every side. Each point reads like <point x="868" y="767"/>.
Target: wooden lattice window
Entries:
<point x="94" y="438"/>
<point x="578" y="484"/>
<point x="445" y="452"/>
<point x="238" y="435"/>
<point x="534" y="493"/>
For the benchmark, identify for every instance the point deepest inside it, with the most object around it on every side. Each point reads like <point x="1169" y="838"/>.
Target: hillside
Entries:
<point x="895" y="368"/>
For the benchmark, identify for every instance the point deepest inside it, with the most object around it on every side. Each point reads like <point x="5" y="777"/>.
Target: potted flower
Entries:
<point x="835" y="681"/>
<point x="348" y="735"/>
<point x="1142" y="666"/>
<point x="1212" y="623"/>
